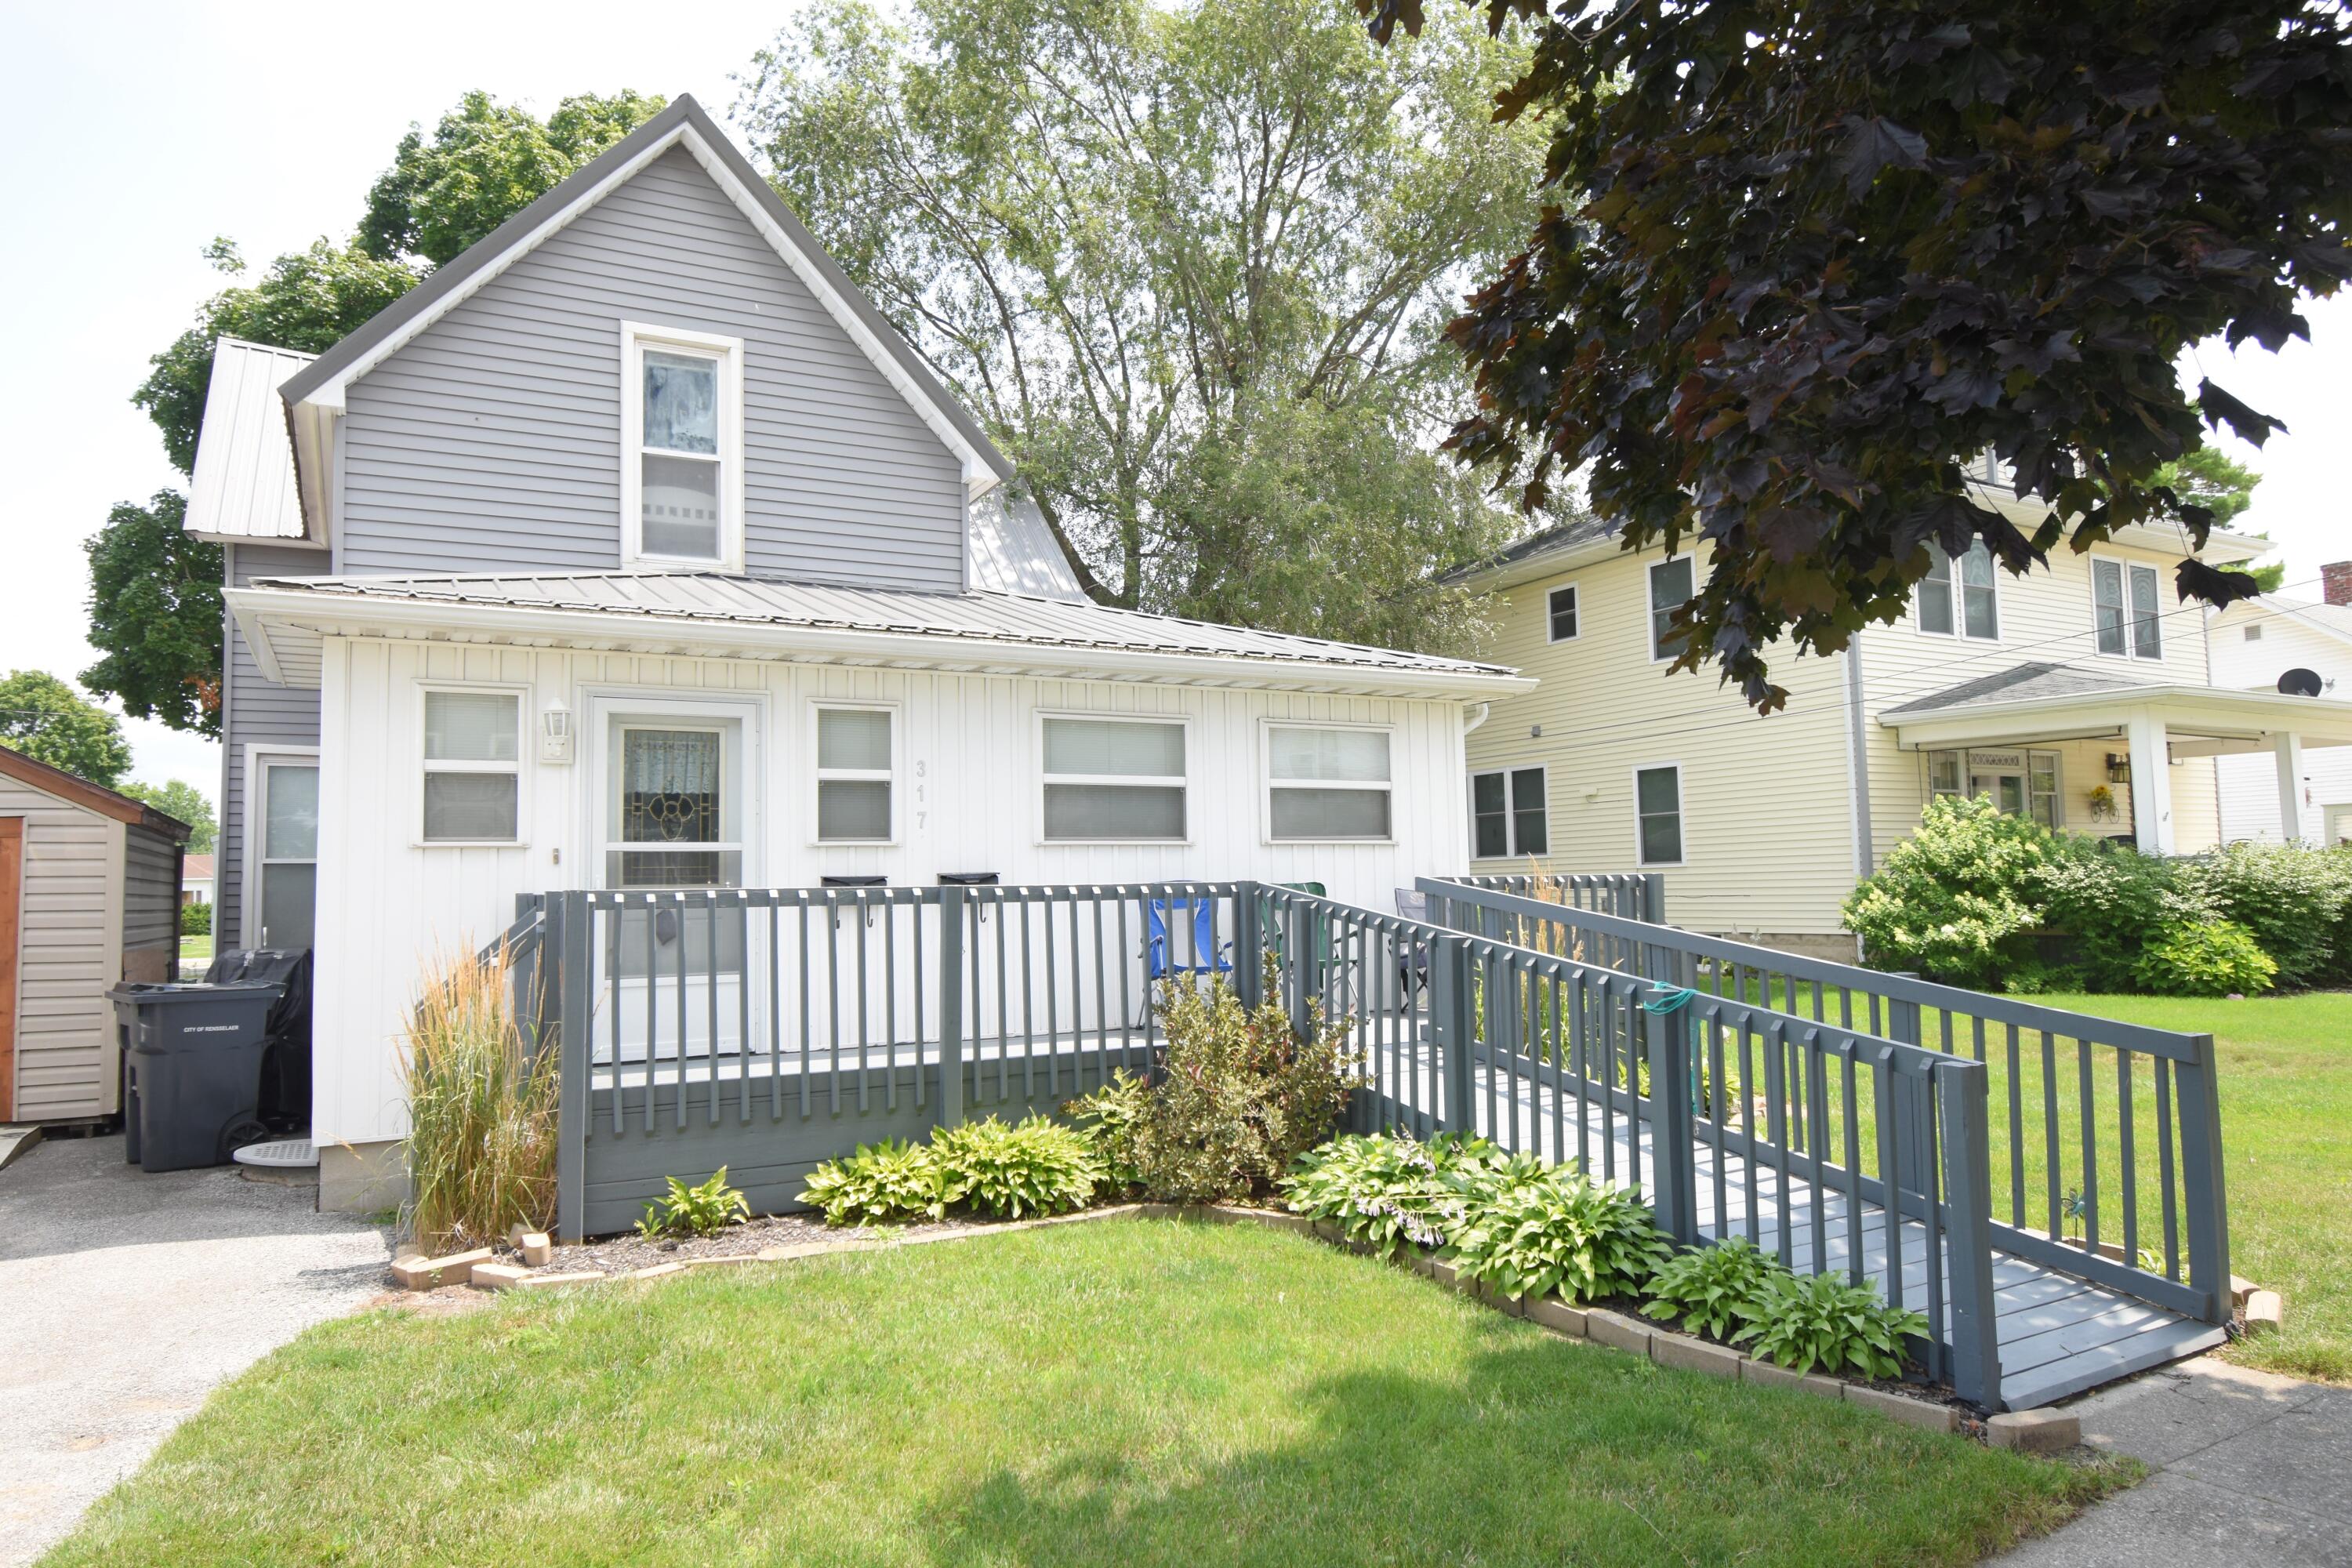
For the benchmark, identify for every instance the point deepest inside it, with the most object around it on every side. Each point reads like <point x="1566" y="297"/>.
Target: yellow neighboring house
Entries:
<point x="2081" y="694"/>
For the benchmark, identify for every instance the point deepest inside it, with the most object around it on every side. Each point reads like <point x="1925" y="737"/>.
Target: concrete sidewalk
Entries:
<point x="2249" y="1468"/>
<point x="126" y="1297"/>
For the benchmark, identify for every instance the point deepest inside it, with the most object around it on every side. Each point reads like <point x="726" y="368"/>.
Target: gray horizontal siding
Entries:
<point x="492" y="441"/>
<point x="151" y="889"/>
<point x="257" y="713"/>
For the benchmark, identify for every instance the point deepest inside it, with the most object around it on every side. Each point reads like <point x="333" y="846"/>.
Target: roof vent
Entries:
<point x="2300" y="683"/>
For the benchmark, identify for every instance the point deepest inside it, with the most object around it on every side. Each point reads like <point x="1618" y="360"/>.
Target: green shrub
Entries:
<point x="1532" y="1229"/>
<point x="2113" y="900"/>
<point x="1957" y="899"/>
<point x="704" y="1209"/>
<point x="2292" y="900"/>
<point x="1110" y="1116"/>
<point x="2205" y="958"/>
<point x="892" y="1180"/>
<point x="1389" y="1192"/>
<point x="1821" y="1322"/>
<point x="195" y="920"/>
<point x="1031" y="1167"/>
<point x="1711" y="1289"/>
<point x="1239" y="1095"/>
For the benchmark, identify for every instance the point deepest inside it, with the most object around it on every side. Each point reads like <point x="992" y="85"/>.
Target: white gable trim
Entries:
<point x="978" y="475"/>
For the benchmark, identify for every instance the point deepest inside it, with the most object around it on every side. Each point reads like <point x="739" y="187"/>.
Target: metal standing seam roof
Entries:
<point x="978" y="616"/>
<point x="242" y="487"/>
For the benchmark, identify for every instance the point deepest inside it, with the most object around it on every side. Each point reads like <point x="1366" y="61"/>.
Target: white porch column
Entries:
<point x="2151" y="782"/>
<point x="2294" y="820"/>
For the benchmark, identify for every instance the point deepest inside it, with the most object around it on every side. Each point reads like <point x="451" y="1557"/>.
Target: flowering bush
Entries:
<point x="1958" y="898"/>
<point x="1389" y="1192"/>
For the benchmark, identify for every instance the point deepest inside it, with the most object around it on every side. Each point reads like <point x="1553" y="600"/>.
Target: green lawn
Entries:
<point x="1129" y="1393"/>
<point x="2286" y="1138"/>
<point x="196" y="946"/>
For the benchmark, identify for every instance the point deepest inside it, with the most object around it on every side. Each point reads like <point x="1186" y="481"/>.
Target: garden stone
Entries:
<point x="1694" y="1355"/>
<point x="1558" y="1315"/>
<point x="2044" y="1431"/>
<point x="432" y="1273"/>
<point x="1618" y="1331"/>
<point x="2265" y="1311"/>
<point x="542" y="1281"/>
<point x="537" y="1248"/>
<point x="1902" y="1408"/>
<point x="656" y="1271"/>
<point x="497" y="1276"/>
<point x="1764" y="1374"/>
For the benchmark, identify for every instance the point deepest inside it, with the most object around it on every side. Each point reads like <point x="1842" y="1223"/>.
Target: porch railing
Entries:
<point x="2104" y="1142"/>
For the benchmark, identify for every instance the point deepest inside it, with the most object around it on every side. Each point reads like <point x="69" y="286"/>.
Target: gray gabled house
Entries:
<point x="635" y="549"/>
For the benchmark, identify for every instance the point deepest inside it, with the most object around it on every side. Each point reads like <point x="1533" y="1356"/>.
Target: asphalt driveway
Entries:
<point x="125" y="1297"/>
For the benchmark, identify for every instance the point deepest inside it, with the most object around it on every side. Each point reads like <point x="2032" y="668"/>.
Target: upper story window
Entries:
<point x="1957" y="597"/>
<point x="1559" y="609"/>
<point x="681" y="449"/>
<point x="1114" y="780"/>
<point x="1326" y="782"/>
<point x="2124" y="601"/>
<point x="1670" y="589"/>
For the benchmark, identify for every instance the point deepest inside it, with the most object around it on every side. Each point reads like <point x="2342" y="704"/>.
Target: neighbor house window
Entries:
<point x="682" y="421"/>
<point x="854" y="775"/>
<point x="2042" y="786"/>
<point x="1560" y="606"/>
<point x="1327" y="784"/>
<point x="2124" y="597"/>
<point x="1508" y="815"/>
<point x="1113" y="779"/>
<point x="1670" y="589"/>
<point x="473" y="785"/>
<point x="286" y="858"/>
<point x="1957" y="597"/>
<point x="1943" y="775"/>
<point x="1658" y="813"/>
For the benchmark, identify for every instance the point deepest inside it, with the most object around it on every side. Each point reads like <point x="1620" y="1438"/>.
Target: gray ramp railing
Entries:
<point x="2104" y="1141"/>
<point x="1859" y="1154"/>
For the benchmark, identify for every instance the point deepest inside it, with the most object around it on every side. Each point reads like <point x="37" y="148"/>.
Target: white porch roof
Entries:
<point x="2030" y="703"/>
<point x="287" y="620"/>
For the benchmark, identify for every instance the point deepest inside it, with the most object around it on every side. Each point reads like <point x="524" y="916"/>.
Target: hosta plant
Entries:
<point x="1710" y="1289"/>
<point x="704" y="1209"/>
<point x="1388" y="1192"/>
<point x="1009" y="1172"/>
<point x="892" y="1180"/>
<point x="1532" y="1230"/>
<point x="1821" y="1322"/>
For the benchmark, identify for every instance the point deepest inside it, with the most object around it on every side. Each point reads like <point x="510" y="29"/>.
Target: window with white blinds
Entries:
<point x="1113" y="779"/>
<point x="473" y="784"/>
<point x="1324" y="784"/>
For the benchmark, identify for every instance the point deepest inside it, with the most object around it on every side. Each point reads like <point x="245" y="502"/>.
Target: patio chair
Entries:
<point x="1413" y="962"/>
<point x="1170" y="951"/>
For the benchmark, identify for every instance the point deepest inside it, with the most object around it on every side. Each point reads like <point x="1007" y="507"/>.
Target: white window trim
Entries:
<point x="1268" y="784"/>
<point x="819" y="774"/>
<point x="2131" y="643"/>
<point x="654" y="707"/>
<point x="249" y="911"/>
<point x="1959" y="632"/>
<point x="635" y="338"/>
<point x="1577" y="599"/>
<point x="1650" y="599"/>
<point x="521" y="694"/>
<point x="1037" y="756"/>
<point x="1682" y="813"/>
<point x="1511" y="851"/>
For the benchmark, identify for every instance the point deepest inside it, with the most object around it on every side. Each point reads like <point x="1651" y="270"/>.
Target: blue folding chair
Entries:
<point x="1170" y="951"/>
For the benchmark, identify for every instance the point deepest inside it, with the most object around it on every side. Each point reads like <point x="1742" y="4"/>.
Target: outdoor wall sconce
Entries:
<point x="2118" y="768"/>
<point x="555" y="733"/>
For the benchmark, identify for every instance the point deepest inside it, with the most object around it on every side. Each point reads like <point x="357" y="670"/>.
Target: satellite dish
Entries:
<point x="2300" y="683"/>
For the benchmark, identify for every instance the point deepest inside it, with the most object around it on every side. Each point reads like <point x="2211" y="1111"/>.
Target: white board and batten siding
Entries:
<point x="969" y="770"/>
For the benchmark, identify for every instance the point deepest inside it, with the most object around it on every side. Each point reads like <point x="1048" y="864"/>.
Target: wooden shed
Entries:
<point x="89" y="892"/>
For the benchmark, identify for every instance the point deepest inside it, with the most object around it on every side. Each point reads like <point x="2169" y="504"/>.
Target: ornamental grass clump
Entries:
<point x="1389" y="1192"/>
<point x="1533" y="1230"/>
<point x="481" y="1109"/>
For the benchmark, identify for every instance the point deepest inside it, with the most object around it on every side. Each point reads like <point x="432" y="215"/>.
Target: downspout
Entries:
<point x="1857" y="753"/>
<point x="1474" y="721"/>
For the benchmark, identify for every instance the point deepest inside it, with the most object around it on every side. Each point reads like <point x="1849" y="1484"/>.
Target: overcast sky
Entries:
<point x="137" y="132"/>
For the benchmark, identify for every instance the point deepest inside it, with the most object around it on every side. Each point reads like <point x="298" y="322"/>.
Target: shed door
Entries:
<point x="11" y="932"/>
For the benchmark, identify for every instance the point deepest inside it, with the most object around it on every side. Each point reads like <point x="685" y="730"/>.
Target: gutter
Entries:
<point x="260" y="611"/>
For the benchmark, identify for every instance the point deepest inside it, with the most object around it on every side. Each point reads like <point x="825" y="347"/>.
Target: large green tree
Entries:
<point x="1189" y="263"/>
<point x="184" y="800"/>
<point x="49" y="721"/>
<point x="154" y="608"/>
<point x="1804" y="261"/>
